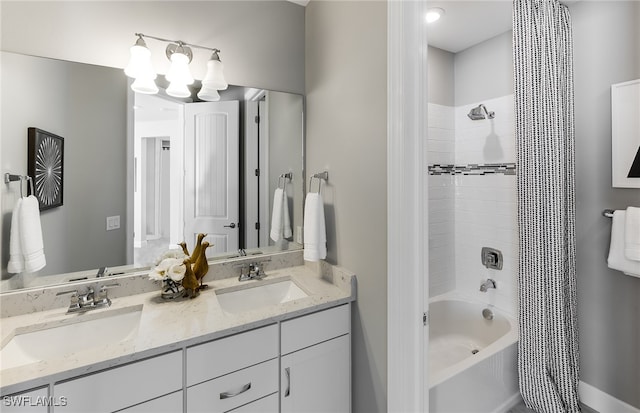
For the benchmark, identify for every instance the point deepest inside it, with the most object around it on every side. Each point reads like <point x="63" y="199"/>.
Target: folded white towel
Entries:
<point x="315" y="235"/>
<point x="617" y="259"/>
<point x="16" y="260"/>
<point x="31" y="235"/>
<point x="632" y="234"/>
<point x="280" y="220"/>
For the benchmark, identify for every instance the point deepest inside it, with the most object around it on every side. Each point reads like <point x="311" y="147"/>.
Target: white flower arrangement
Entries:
<point x="170" y="266"/>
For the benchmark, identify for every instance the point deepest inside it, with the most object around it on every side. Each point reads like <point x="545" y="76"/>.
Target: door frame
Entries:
<point x="407" y="240"/>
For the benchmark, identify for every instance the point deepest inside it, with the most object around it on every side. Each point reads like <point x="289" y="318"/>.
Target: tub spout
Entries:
<point x="489" y="283"/>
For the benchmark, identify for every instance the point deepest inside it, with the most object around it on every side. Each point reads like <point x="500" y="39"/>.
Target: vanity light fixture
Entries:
<point x="434" y="14"/>
<point x="179" y="75"/>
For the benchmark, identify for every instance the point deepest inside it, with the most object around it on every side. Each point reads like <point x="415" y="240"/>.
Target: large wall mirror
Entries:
<point x="166" y="169"/>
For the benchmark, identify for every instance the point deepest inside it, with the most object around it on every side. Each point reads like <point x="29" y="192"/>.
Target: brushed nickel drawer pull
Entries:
<point x="230" y="394"/>
<point x="287" y="372"/>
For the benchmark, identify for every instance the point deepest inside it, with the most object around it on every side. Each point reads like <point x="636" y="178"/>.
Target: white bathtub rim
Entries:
<point x="503" y="342"/>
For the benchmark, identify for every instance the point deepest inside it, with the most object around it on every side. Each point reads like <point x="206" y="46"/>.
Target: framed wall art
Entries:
<point x="46" y="167"/>
<point x="625" y="134"/>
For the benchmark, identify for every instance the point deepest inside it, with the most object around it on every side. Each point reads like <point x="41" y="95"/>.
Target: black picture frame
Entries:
<point x="45" y="166"/>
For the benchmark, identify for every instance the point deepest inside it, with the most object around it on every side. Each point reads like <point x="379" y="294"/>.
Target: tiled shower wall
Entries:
<point x="472" y="200"/>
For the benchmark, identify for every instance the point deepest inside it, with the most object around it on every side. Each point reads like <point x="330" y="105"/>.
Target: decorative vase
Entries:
<point x="171" y="289"/>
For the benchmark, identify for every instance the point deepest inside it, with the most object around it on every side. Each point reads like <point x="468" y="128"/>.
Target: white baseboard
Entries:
<point x="511" y="402"/>
<point x="603" y="402"/>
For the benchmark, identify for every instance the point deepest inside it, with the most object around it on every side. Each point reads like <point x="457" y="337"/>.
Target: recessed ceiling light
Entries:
<point x="434" y="14"/>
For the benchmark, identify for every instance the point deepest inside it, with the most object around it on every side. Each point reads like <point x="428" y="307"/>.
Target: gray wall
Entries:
<point x="346" y="79"/>
<point x="607" y="50"/>
<point x="84" y="104"/>
<point x="440" y="83"/>
<point x="484" y="71"/>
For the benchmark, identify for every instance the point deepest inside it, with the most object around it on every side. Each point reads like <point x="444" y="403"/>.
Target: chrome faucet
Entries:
<point x="489" y="283"/>
<point x="90" y="300"/>
<point x="252" y="271"/>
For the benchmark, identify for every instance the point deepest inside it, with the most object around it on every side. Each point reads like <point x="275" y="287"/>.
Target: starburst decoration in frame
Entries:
<point x="46" y="167"/>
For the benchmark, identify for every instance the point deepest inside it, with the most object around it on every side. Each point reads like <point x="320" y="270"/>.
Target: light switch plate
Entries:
<point x="113" y="222"/>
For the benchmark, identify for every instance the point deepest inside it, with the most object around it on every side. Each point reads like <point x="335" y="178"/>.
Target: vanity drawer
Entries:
<point x="122" y="387"/>
<point x="233" y="390"/>
<point x="315" y="328"/>
<point x="171" y="403"/>
<point x="267" y="404"/>
<point x="216" y="358"/>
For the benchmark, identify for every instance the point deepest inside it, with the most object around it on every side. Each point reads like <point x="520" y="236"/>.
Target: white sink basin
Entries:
<point x="257" y="295"/>
<point x="77" y="333"/>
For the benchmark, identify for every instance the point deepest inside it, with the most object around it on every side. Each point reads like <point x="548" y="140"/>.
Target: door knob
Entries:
<point x="232" y="225"/>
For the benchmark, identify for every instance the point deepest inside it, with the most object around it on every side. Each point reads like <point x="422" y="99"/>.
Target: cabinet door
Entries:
<point x="317" y="378"/>
<point x="33" y="401"/>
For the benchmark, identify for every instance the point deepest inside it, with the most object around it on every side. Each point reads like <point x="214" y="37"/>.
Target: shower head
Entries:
<point x="477" y="113"/>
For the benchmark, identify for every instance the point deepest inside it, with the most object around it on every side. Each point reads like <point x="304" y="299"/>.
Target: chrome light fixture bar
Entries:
<point x="179" y="75"/>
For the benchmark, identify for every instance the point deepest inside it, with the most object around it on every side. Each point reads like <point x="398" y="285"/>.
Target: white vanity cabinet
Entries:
<point x="31" y="401"/>
<point x="237" y="373"/>
<point x="315" y="368"/>
<point x="123" y="387"/>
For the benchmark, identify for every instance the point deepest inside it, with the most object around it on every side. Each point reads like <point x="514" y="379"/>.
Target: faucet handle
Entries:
<point x="105" y="287"/>
<point x="101" y="299"/>
<point x="74" y="304"/>
<point x="86" y="300"/>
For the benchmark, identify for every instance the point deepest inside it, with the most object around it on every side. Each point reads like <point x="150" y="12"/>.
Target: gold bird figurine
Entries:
<point x="201" y="266"/>
<point x="190" y="282"/>
<point x="197" y="248"/>
<point x="183" y="245"/>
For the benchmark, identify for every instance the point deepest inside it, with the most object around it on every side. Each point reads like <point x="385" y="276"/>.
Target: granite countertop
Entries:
<point x="167" y="325"/>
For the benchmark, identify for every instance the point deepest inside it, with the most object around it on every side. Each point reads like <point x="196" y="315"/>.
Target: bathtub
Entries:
<point x="472" y="360"/>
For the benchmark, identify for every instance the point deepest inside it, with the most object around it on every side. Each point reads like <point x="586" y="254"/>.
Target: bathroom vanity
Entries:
<point x="239" y="346"/>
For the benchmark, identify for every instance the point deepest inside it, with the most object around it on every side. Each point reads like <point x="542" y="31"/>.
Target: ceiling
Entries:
<point x="466" y="23"/>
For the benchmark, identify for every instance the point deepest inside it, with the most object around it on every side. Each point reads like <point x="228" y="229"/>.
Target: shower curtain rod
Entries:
<point x="608" y="213"/>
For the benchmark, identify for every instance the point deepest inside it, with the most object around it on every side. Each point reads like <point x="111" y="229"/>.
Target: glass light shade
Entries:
<point x="209" y="94"/>
<point x="140" y="63"/>
<point x="179" y="71"/>
<point x="178" y="90"/>
<point x="215" y="77"/>
<point x="145" y="85"/>
<point x="434" y="14"/>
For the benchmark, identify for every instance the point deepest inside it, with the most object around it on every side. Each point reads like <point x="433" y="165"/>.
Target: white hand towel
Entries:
<point x="315" y="235"/>
<point x="280" y="220"/>
<point x="632" y="234"/>
<point x="31" y="235"/>
<point x="617" y="259"/>
<point x="16" y="260"/>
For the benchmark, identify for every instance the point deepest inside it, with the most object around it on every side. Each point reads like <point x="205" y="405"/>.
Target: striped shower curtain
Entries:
<point x="543" y="66"/>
